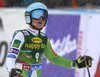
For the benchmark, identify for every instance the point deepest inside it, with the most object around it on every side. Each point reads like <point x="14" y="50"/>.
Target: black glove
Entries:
<point x="84" y="61"/>
<point x="15" y="73"/>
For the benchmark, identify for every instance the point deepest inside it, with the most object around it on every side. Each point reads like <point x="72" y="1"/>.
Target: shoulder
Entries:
<point x="25" y="32"/>
<point x="18" y="35"/>
<point x="21" y="32"/>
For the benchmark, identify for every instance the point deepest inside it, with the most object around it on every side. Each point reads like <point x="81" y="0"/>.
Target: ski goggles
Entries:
<point x="37" y="14"/>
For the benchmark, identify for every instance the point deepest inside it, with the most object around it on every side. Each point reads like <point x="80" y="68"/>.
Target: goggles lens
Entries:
<point x="36" y="14"/>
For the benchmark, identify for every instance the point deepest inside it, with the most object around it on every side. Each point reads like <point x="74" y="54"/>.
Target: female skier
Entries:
<point x="28" y="46"/>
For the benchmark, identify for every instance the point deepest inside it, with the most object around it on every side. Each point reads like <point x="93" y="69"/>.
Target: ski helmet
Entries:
<point x="33" y="7"/>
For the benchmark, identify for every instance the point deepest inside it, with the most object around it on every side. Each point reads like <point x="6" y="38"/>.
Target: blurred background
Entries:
<point x="76" y="24"/>
<point x="51" y="3"/>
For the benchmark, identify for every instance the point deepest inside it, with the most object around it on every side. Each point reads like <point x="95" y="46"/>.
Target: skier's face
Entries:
<point x="38" y="23"/>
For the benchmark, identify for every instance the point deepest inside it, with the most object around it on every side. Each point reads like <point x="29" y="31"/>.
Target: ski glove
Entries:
<point x="84" y="61"/>
<point x="15" y="73"/>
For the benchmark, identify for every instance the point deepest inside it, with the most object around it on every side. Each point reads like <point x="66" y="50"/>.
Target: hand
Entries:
<point x="15" y="73"/>
<point x="84" y="61"/>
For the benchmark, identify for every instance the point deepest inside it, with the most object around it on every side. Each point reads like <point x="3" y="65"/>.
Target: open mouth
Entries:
<point x="39" y="22"/>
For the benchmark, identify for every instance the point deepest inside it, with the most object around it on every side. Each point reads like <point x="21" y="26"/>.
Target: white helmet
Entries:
<point x="33" y="6"/>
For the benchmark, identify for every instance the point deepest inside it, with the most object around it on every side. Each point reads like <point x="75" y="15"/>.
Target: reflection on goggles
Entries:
<point x="36" y="14"/>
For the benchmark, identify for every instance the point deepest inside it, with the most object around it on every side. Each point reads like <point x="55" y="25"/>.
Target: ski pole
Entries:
<point x="88" y="69"/>
<point x="88" y="72"/>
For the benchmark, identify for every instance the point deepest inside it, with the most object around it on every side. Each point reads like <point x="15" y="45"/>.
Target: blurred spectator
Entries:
<point x="1" y="3"/>
<point x="86" y="3"/>
<point x="74" y="3"/>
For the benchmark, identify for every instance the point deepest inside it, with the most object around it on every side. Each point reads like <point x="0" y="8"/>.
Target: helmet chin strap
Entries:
<point x="36" y="28"/>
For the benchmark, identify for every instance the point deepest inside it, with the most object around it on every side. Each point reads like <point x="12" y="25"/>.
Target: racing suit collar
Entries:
<point x="33" y="31"/>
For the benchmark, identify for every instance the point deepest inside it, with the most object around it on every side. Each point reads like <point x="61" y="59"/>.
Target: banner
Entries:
<point x="62" y="31"/>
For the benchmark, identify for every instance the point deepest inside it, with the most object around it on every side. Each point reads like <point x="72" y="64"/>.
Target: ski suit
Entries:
<point x="26" y="51"/>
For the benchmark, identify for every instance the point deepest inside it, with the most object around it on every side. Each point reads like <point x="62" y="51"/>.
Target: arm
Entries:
<point x="14" y="50"/>
<point x="56" y="59"/>
<point x="81" y="62"/>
